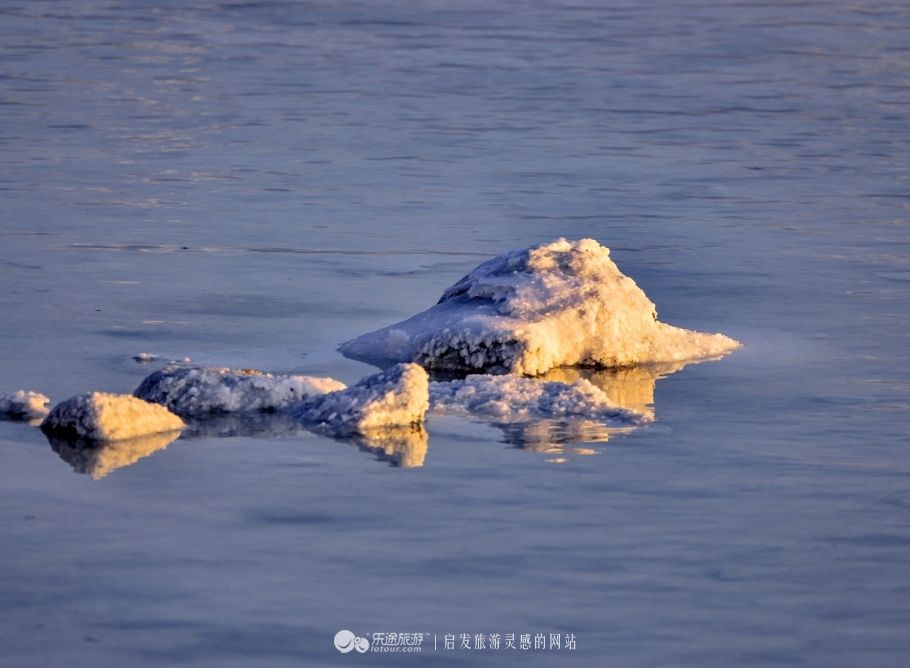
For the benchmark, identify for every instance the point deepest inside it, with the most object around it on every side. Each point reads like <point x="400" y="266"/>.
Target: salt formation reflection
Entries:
<point x="557" y="412"/>
<point x="98" y="458"/>
<point x="631" y="388"/>
<point x="560" y="413"/>
<point x="404" y="446"/>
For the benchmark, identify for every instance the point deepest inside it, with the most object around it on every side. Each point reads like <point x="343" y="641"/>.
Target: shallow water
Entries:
<point x="249" y="184"/>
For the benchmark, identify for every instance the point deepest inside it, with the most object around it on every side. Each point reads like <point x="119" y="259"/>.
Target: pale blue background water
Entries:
<point x="251" y="183"/>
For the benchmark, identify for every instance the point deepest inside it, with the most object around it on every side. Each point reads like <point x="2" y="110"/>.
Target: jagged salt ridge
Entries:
<point x="396" y="396"/>
<point x="198" y="391"/>
<point x="526" y="311"/>
<point x="100" y="416"/>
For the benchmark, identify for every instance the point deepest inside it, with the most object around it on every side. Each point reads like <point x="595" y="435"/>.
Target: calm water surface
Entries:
<point x="248" y="184"/>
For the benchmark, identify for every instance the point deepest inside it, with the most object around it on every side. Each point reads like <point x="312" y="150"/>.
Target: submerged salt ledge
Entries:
<point x="398" y="396"/>
<point x="23" y="405"/>
<point x="527" y="311"/>
<point x="99" y="416"/>
<point x="516" y="399"/>
<point x="196" y="391"/>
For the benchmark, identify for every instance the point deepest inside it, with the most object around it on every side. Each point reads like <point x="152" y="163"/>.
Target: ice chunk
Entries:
<point x="144" y="358"/>
<point x="99" y="416"/>
<point x="98" y="458"/>
<point x="395" y="397"/>
<point x="23" y="405"/>
<point x="527" y="311"/>
<point x="190" y="391"/>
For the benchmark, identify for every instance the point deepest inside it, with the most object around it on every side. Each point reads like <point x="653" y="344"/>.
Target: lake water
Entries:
<point x="251" y="183"/>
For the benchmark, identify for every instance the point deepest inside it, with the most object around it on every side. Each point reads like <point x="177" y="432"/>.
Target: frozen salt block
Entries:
<point x="23" y="405"/>
<point x="99" y="416"/>
<point x="526" y="311"/>
<point x="98" y="458"/>
<point x="398" y="396"/>
<point x="194" y="391"/>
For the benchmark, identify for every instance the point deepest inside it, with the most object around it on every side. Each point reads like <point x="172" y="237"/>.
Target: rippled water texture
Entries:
<point x="249" y="184"/>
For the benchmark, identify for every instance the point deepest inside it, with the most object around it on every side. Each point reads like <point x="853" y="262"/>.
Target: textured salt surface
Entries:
<point x="526" y="311"/>
<point x="518" y="399"/>
<point x="395" y="397"/>
<point x="23" y="405"/>
<point x="197" y="391"/>
<point x="99" y="416"/>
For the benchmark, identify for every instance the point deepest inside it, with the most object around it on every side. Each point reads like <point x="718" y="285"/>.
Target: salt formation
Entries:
<point x="405" y="445"/>
<point x="23" y="405"/>
<point x="97" y="459"/>
<point x="540" y="415"/>
<point x="396" y="397"/>
<point x="99" y="416"/>
<point x="526" y="311"/>
<point x="196" y="391"/>
<point x="509" y="399"/>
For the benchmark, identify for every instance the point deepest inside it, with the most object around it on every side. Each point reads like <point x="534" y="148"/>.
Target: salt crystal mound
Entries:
<point x="23" y="405"/>
<point x="98" y="458"/>
<point x="99" y="416"/>
<point x="398" y="396"/>
<point x="527" y="311"/>
<point x="197" y="391"/>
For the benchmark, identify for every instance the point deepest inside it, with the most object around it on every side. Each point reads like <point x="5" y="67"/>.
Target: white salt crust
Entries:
<point x="527" y="311"/>
<point x="198" y="391"/>
<point x="23" y="405"/>
<point x="99" y="416"/>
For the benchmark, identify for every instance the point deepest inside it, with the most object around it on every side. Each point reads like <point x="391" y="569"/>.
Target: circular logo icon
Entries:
<point x="345" y="641"/>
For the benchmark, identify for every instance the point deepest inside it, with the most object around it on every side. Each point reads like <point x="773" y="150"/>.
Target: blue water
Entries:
<point x="249" y="184"/>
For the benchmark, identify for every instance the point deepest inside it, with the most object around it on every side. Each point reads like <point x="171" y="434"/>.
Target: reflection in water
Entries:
<point x="254" y="425"/>
<point x="98" y="458"/>
<point x="551" y="435"/>
<point x="629" y="388"/>
<point x="402" y="446"/>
